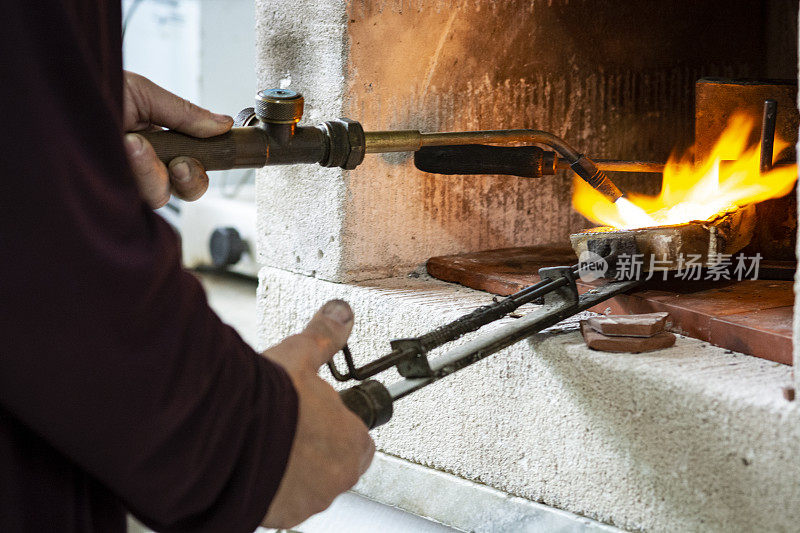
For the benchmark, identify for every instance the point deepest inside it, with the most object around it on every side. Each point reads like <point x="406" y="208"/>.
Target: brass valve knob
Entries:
<point x="279" y="106"/>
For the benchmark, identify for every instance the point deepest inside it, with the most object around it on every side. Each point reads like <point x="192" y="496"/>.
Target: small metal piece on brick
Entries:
<point x="727" y="234"/>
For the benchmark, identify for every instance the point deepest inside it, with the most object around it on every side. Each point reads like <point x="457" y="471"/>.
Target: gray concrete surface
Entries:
<point x="691" y="438"/>
<point x="465" y="505"/>
<point x="353" y="513"/>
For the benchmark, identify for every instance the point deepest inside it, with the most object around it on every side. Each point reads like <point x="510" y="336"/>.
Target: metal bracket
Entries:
<point x="408" y="356"/>
<point x="417" y="366"/>
<point x="566" y="294"/>
<point x="352" y="371"/>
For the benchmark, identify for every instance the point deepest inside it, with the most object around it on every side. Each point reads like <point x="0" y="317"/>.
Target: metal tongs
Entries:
<point x="373" y="401"/>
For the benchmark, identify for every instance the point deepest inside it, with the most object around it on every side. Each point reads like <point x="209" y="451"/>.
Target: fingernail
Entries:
<point x="133" y="144"/>
<point x="339" y="311"/>
<point x="222" y="119"/>
<point x="181" y="172"/>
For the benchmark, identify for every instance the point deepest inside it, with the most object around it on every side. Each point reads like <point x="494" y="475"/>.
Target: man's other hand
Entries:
<point x="332" y="446"/>
<point x="148" y="107"/>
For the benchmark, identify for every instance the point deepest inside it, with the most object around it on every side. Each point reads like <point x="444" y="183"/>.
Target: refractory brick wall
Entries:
<point x="613" y="78"/>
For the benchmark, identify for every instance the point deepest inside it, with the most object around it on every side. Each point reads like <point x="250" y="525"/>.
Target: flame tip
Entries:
<point x="729" y="178"/>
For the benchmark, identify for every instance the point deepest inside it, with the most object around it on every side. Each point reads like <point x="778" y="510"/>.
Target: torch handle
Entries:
<point x="524" y="161"/>
<point x="239" y="148"/>
<point x="370" y="401"/>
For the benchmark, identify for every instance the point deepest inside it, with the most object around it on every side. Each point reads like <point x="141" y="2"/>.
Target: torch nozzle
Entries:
<point x="595" y="177"/>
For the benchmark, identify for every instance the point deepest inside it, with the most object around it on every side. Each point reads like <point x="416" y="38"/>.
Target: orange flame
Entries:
<point x="696" y="192"/>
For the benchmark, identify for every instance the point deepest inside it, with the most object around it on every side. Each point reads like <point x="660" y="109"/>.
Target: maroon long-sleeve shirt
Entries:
<point x="119" y="387"/>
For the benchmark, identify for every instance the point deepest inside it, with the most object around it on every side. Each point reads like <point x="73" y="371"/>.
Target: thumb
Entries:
<point x="329" y="329"/>
<point x="324" y="335"/>
<point x="156" y="105"/>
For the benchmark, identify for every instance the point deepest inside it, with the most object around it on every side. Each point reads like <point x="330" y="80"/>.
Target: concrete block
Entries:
<point x="690" y="438"/>
<point x="565" y="67"/>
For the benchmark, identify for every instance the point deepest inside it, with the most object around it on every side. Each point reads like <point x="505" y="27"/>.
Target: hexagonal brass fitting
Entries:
<point x="347" y="144"/>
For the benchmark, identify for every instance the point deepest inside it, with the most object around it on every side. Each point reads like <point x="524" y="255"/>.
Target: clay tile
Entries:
<point x="605" y="343"/>
<point x="645" y="325"/>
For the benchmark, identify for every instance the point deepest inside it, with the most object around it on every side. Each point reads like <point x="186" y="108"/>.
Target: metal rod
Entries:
<point x="487" y="314"/>
<point x="768" y="122"/>
<point x="413" y="140"/>
<point x="490" y="343"/>
<point x="501" y="137"/>
<point x="380" y="142"/>
<point x="613" y="165"/>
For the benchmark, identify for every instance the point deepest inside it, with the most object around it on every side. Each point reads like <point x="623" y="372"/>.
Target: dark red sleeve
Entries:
<point x="109" y="349"/>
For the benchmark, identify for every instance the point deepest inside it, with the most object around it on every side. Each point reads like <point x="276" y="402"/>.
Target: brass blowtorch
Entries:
<point x="269" y="134"/>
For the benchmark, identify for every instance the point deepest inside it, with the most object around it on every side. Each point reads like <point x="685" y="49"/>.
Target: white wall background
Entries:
<point x="162" y="42"/>
<point x="202" y="50"/>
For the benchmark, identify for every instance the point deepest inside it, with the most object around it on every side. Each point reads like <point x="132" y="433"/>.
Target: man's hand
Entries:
<point x="331" y="447"/>
<point x="148" y="107"/>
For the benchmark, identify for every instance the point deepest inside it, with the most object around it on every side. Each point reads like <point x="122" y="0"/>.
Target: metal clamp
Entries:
<point x="416" y="366"/>
<point x="408" y="355"/>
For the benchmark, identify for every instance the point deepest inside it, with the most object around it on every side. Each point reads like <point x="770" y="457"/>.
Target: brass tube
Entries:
<point x="413" y="140"/>
<point x="378" y="142"/>
<point x="614" y="165"/>
<point x="501" y="137"/>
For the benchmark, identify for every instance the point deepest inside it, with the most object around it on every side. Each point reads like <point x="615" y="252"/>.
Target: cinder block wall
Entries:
<point x="688" y="440"/>
<point x="614" y="79"/>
